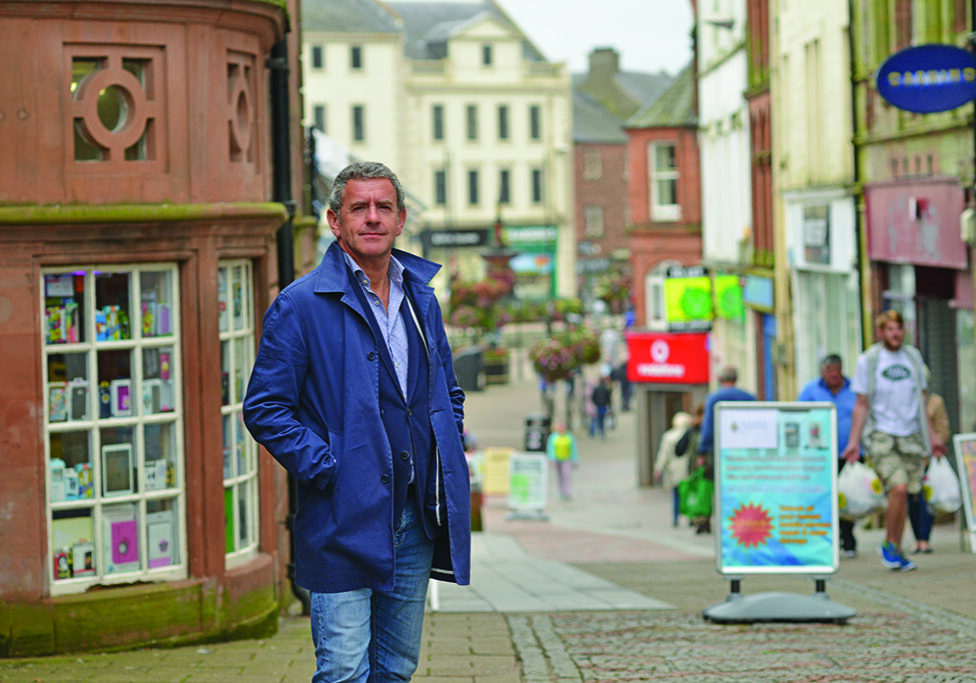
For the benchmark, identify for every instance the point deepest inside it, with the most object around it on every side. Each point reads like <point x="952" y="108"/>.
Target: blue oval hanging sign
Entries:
<point x="928" y="78"/>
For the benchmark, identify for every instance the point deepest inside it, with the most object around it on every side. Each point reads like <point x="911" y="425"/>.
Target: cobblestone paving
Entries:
<point x="617" y="647"/>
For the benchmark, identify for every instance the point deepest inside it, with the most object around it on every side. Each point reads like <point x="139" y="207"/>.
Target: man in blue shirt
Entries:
<point x="833" y="386"/>
<point x="727" y="391"/>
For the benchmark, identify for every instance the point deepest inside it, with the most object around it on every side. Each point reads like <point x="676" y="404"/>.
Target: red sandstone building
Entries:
<point x="665" y="191"/>
<point x="142" y="195"/>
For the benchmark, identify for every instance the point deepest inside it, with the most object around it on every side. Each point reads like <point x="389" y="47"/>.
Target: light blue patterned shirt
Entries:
<point x="388" y="319"/>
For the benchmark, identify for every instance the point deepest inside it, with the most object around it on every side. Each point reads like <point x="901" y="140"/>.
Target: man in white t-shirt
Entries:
<point x="890" y="414"/>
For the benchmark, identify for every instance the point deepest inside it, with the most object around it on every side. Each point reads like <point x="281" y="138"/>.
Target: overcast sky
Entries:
<point x="650" y="35"/>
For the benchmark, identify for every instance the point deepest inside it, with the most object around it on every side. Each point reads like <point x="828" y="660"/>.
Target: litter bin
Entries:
<point x="469" y="368"/>
<point x="537" y="429"/>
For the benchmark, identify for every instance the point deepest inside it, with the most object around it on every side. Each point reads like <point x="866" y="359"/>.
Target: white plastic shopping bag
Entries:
<point x="941" y="487"/>
<point x="859" y="491"/>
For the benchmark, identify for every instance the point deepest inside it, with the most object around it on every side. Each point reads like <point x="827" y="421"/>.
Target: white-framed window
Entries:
<point x="318" y="57"/>
<point x="356" y="57"/>
<point x="487" y="58"/>
<point x="592" y="165"/>
<point x="535" y="122"/>
<point x="358" y="123"/>
<point x="593" y="220"/>
<point x="504" y="186"/>
<point x="437" y="122"/>
<point x="503" y="132"/>
<point x="655" y="301"/>
<point x="235" y="306"/>
<point x="440" y="187"/>
<point x="318" y="117"/>
<point x="113" y="426"/>
<point x="655" y="313"/>
<point x="535" y="181"/>
<point x="471" y="122"/>
<point x="663" y="174"/>
<point x="474" y="187"/>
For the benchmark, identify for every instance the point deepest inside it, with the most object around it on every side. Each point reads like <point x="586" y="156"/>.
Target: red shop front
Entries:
<point x="670" y="373"/>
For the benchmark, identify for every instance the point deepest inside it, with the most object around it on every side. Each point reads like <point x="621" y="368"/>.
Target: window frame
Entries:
<point x="437" y="127"/>
<point x="319" y="117"/>
<point x="535" y="122"/>
<point x="592" y="165"/>
<point x="537" y="183"/>
<point x="474" y="187"/>
<point x="593" y="221"/>
<point x="504" y="129"/>
<point x="504" y="186"/>
<point x="357" y="58"/>
<point x="471" y="122"/>
<point x="111" y="427"/>
<point x="659" y="210"/>
<point x="358" y="123"/>
<point x="317" y="57"/>
<point x="237" y="332"/>
<point x="440" y="187"/>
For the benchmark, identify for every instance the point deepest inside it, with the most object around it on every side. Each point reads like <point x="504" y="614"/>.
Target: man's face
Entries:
<point x="368" y="222"/>
<point x="892" y="335"/>
<point x="833" y="376"/>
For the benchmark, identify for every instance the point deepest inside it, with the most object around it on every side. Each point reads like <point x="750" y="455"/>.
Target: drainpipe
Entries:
<point x="859" y="241"/>
<point x="281" y="192"/>
<point x="972" y="46"/>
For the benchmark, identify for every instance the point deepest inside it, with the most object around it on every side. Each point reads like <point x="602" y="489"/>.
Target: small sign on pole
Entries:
<point x="527" y="486"/>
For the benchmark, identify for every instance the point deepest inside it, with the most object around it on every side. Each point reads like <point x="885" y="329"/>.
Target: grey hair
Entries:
<point x="363" y="170"/>
<point x="728" y="374"/>
<point x="831" y="359"/>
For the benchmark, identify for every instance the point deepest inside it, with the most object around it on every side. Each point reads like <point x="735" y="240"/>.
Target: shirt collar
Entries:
<point x="847" y="383"/>
<point x="395" y="271"/>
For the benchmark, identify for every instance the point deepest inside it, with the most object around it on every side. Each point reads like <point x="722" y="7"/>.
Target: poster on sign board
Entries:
<point x="775" y="487"/>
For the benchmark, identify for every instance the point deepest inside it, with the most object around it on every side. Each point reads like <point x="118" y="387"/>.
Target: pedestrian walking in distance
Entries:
<point x="602" y="398"/>
<point x="833" y="386"/>
<point x="561" y="451"/>
<point x="919" y="515"/>
<point x="727" y="391"/>
<point x="890" y="414"/>
<point x="353" y="392"/>
<point x="670" y="468"/>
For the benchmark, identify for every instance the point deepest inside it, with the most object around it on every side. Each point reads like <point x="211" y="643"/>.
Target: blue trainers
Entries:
<point x="892" y="558"/>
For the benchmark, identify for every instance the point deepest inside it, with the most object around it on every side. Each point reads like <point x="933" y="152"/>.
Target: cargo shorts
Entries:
<point x="898" y="460"/>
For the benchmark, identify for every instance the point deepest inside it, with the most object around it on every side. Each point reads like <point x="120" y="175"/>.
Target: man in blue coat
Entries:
<point x="727" y="391"/>
<point x="833" y="386"/>
<point x="353" y="392"/>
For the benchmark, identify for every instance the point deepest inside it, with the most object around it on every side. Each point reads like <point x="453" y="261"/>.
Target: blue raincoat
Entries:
<point x="313" y="402"/>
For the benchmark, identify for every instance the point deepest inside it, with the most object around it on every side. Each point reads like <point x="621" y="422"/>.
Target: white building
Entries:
<point x="469" y="114"/>
<point x="814" y="163"/>
<point x="725" y="168"/>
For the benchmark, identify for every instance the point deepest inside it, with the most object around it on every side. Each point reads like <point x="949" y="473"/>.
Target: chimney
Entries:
<point x="604" y="62"/>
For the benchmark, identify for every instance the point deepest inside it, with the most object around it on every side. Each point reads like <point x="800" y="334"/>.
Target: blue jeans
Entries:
<point x="675" y="506"/>
<point x="365" y="636"/>
<point x="920" y="517"/>
<point x="598" y="422"/>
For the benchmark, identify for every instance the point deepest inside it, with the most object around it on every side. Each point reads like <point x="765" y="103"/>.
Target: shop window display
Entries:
<point x="114" y="459"/>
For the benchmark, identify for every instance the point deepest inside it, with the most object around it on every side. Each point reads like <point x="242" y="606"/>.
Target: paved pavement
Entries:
<point x="607" y="590"/>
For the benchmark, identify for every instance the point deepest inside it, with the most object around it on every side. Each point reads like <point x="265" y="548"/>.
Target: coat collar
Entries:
<point x="332" y="273"/>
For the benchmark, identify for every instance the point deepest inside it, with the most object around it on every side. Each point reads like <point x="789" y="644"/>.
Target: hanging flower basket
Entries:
<point x="559" y="357"/>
